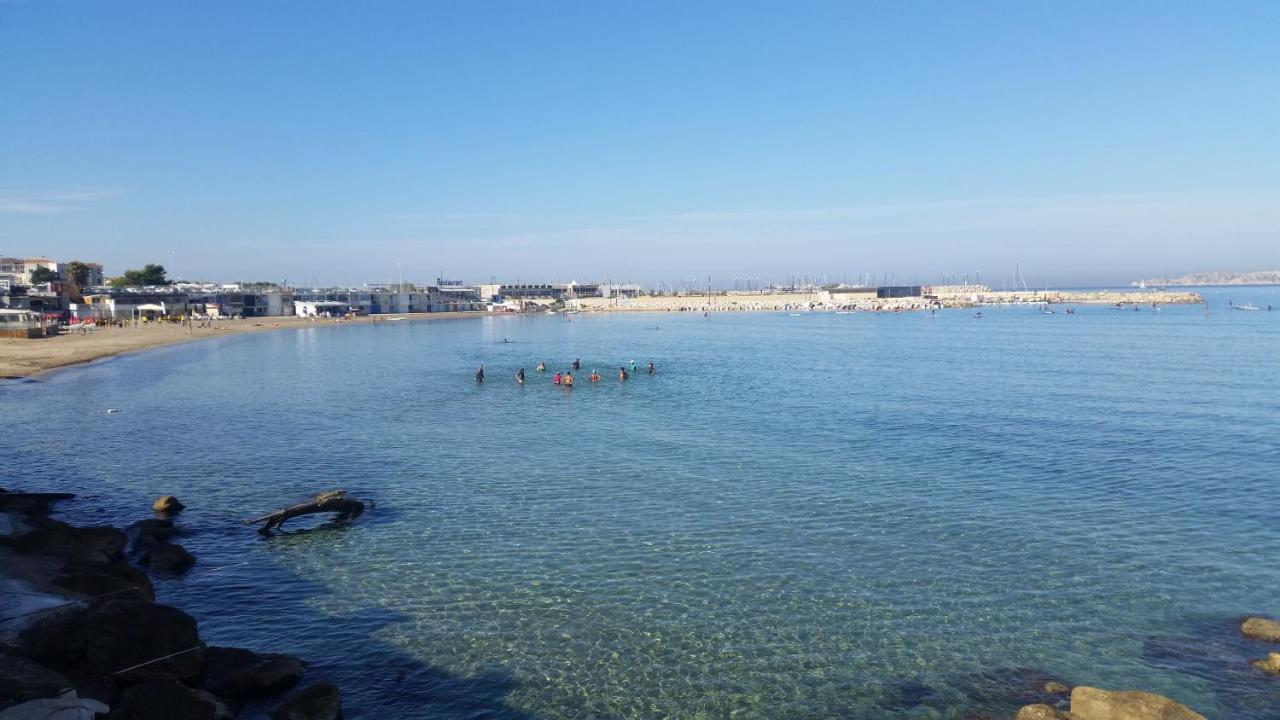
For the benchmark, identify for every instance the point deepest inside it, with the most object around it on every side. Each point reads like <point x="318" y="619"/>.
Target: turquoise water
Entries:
<point x="822" y="516"/>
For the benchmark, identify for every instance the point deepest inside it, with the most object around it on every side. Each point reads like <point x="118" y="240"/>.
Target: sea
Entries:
<point x="813" y="515"/>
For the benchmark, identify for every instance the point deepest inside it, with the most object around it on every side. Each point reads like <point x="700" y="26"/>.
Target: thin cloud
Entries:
<point x="52" y="202"/>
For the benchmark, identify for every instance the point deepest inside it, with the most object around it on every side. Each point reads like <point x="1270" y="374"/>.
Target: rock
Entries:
<point x="115" y="635"/>
<point x="1270" y="664"/>
<point x="162" y="697"/>
<point x="100" y="544"/>
<point x="1089" y="703"/>
<point x="168" y="505"/>
<point x="321" y="701"/>
<point x="146" y="533"/>
<point x="68" y="706"/>
<point x="221" y="711"/>
<point x="1041" y="712"/>
<point x="238" y="673"/>
<point x="117" y="579"/>
<point x="1053" y="687"/>
<point x="169" y="557"/>
<point x="22" y="679"/>
<point x="1261" y="629"/>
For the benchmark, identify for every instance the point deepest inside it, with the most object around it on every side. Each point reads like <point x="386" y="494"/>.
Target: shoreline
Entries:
<point x="23" y="359"/>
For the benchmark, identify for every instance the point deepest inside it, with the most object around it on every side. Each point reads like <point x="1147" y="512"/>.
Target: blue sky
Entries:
<point x="345" y="142"/>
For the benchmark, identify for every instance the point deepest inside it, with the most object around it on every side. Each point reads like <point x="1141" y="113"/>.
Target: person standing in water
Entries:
<point x="520" y="376"/>
<point x="652" y="369"/>
<point x="568" y="381"/>
<point x="595" y="376"/>
<point x="577" y="364"/>
<point x="633" y="367"/>
<point x="622" y="373"/>
<point x="542" y="367"/>
<point x="480" y="375"/>
<point x="557" y="378"/>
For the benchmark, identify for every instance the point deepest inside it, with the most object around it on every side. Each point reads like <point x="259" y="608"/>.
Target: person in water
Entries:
<point x="652" y="369"/>
<point x="568" y="380"/>
<point x="594" y="377"/>
<point x="633" y="367"/>
<point x="480" y="374"/>
<point x="558" y="378"/>
<point x="542" y="367"/>
<point x="577" y="364"/>
<point x="520" y="376"/>
<point x="622" y="373"/>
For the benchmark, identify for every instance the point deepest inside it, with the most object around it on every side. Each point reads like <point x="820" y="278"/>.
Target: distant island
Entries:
<point x="1264" y="277"/>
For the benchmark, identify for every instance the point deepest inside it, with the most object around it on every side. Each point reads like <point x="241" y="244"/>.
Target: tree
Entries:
<point x="78" y="273"/>
<point x="44" y="275"/>
<point x="148" y="275"/>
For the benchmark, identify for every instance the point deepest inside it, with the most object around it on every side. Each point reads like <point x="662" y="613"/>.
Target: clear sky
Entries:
<point x="350" y="141"/>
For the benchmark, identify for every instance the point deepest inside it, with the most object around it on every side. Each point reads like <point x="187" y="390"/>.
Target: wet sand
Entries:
<point x="26" y="358"/>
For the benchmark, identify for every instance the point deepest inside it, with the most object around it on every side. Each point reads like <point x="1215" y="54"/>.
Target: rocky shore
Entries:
<point x="81" y="632"/>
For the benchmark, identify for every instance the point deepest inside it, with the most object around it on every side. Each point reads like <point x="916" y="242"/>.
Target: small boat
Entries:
<point x="978" y="314"/>
<point x="1246" y="306"/>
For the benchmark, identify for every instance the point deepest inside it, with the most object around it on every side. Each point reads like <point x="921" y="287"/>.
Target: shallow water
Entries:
<point x="822" y="516"/>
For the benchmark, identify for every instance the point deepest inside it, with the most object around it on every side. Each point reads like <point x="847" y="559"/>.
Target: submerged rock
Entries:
<point x="238" y="673"/>
<point x="1089" y="703"/>
<point x="22" y="679"/>
<point x="1270" y="664"/>
<point x="1041" y="712"/>
<point x="167" y="556"/>
<point x="321" y="701"/>
<point x="146" y="533"/>
<point x="117" y="635"/>
<point x="118" y="579"/>
<point x="100" y="544"/>
<point x="1261" y="629"/>
<point x="162" y="697"/>
<point x="168" y="504"/>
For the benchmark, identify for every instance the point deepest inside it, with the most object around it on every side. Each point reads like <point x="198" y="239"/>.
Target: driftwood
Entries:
<point x="334" y="501"/>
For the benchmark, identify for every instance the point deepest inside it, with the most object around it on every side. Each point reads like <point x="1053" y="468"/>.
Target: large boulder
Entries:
<point x="162" y="697"/>
<point x="1261" y="629"/>
<point x="168" y="505"/>
<point x="321" y="701"/>
<point x="1088" y="703"/>
<point x="117" y="579"/>
<point x="67" y="706"/>
<point x="168" y="557"/>
<point x="22" y="679"/>
<point x="239" y="673"/>
<point x="1270" y="664"/>
<point x="57" y="539"/>
<point x="115" y="635"/>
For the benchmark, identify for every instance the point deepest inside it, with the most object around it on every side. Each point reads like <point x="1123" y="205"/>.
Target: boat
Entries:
<point x="1246" y="306"/>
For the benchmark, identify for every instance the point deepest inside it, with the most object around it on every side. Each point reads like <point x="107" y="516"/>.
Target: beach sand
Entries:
<point x="25" y="358"/>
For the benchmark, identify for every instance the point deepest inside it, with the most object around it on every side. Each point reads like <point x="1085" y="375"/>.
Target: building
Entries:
<point x="504" y="292"/>
<point x="18" y="270"/>
<point x="898" y="291"/>
<point x="120" y="304"/>
<point x="847" y="295"/>
<point x="22" y="324"/>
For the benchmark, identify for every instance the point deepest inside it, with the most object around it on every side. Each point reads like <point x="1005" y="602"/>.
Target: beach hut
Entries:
<point x="21" y="324"/>
<point x="149" y="311"/>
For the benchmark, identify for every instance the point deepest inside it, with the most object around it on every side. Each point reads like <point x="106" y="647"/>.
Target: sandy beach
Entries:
<point x="26" y="358"/>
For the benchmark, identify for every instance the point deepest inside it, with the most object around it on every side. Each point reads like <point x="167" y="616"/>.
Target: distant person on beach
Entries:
<point x="557" y="378"/>
<point x="520" y="376"/>
<point x="568" y="380"/>
<point x="652" y="369"/>
<point x="577" y="364"/>
<point x="622" y="373"/>
<point x="480" y="374"/>
<point x="542" y="367"/>
<point x="595" y="376"/>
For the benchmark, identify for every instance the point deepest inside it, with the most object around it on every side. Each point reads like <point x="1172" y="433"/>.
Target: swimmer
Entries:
<point x="520" y="376"/>
<point x="577" y="364"/>
<point x="557" y="378"/>
<point x="622" y="373"/>
<point x="568" y="381"/>
<point x="594" y="377"/>
<point x="480" y="374"/>
<point x="652" y="369"/>
<point x="542" y="367"/>
<point x="633" y="366"/>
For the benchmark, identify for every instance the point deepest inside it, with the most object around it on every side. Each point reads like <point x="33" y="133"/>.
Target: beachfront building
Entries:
<point x="320" y="308"/>
<point x="22" y="324"/>
<point x="383" y="300"/>
<point x="898" y="291"/>
<point x="534" y="292"/>
<point x="18" y="270"/>
<point x="843" y="296"/>
<point x="122" y="304"/>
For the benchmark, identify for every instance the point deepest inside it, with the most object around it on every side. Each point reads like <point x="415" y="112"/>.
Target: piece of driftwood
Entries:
<point x="334" y="501"/>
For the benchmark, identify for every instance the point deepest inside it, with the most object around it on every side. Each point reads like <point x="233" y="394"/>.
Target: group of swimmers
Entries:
<point x="565" y="378"/>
